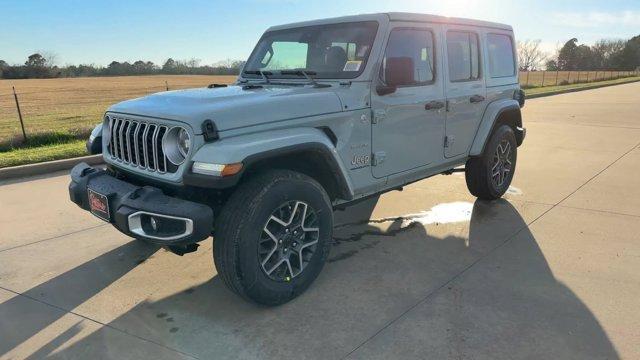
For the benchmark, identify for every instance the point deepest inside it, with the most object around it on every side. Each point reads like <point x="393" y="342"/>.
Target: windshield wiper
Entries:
<point x="306" y="73"/>
<point x="261" y="73"/>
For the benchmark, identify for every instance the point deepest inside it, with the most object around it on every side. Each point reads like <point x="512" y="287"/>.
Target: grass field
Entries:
<point x="58" y="113"/>
<point x="72" y="103"/>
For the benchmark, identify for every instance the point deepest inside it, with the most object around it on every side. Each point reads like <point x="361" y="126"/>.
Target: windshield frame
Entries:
<point x="275" y="74"/>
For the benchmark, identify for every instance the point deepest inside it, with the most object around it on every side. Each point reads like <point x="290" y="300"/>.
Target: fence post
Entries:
<point x="166" y="84"/>
<point x="544" y="72"/>
<point x="527" y="82"/>
<point x="557" y="74"/>
<point x="587" y="77"/>
<point x="15" y="96"/>
<point x="569" y="77"/>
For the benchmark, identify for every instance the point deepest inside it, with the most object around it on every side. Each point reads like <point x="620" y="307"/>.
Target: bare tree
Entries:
<point x="530" y="56"/>
<point x="51" y="58"/>
<point x="605" y="51"/>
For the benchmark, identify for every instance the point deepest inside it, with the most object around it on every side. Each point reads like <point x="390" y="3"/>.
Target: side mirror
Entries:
<point x="383" y="90"/>
<point x="397" y="72"/>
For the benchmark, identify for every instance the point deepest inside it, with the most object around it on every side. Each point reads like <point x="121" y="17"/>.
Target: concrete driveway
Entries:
<point x="552" y="271"/>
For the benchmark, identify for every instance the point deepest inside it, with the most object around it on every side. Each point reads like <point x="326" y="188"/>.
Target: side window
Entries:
<point x="410" y="49"/>
<point x="463" y="54"/>
<point x="501" y="59"/>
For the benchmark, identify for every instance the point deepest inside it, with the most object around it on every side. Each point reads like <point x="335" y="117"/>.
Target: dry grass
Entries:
<point x="78" y="103"/>
<point x="60" y="112"/>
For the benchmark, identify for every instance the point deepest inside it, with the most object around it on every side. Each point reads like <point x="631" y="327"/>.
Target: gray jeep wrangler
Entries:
<point x="324" y="114"/>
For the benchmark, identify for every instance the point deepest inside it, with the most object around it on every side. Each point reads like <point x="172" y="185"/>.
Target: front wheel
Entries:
<point x="488" y="176"/>
<point x="272" y="237"/>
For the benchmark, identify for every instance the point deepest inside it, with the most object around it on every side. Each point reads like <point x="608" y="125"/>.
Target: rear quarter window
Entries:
<point x="501" y="56"/>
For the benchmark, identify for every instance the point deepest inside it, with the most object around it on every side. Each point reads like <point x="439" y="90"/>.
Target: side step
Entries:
<point x="451" y="171"/>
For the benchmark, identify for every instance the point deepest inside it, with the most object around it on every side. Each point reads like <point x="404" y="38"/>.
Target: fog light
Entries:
<point x="154" y="224"/>
<point x="159" y="226"/>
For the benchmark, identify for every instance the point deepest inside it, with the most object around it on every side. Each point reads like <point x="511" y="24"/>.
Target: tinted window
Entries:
<point x="463" y="55"/>
<point x="501" y="59"/>
<point x="412" y="48"/>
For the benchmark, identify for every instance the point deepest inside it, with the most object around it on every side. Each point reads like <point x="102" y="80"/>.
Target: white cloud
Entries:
<point x="597" y="18"/>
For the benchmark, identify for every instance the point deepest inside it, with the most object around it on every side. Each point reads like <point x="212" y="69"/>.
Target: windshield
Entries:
<point x="334" y="51"/>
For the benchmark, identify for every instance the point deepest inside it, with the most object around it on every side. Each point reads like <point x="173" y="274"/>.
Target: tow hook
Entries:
<point x="182" y="249"/>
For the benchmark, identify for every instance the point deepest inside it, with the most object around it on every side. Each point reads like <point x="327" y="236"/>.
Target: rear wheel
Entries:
<point x="272" y="237"/>
<point x="489" y="176"/>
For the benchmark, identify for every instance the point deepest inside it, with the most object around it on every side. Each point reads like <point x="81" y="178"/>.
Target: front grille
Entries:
<point x="139" y="144"/>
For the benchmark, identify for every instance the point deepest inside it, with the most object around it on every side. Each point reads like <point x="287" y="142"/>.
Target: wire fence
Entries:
<point x="48" y="105"/>
<point x="74" y="105"/>
<point x="530" y="79"/>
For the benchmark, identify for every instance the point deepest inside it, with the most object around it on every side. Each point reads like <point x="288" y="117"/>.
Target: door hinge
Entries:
<point x="448" y="141"/>
<point x="378" y="115"/>
<point x="378" y="158"/>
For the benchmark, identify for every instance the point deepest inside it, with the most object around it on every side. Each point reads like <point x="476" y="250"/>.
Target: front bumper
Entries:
<point x="181" y="222"/>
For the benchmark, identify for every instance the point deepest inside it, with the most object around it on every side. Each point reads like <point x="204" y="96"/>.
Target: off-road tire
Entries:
<point x="240" y="225"/>
<point x="478" y="170"/>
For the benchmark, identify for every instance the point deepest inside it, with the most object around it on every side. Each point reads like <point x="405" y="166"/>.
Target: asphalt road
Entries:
<point x="552" y="271"/>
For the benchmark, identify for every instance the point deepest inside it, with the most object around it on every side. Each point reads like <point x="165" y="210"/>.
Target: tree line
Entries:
<point x="605" y="54"/>
<point x="43" y="66"/>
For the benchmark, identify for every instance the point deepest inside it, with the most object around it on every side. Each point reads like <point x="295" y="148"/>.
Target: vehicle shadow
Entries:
<point x="71" y="288"/>
<point x="512" y="307"/>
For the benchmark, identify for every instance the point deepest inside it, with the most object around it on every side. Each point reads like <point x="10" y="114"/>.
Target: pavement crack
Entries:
<point x="597" y="174"/>
<point x="466" y="269"/>
<point x="59" y="308"/>
<point x="445" y="284"/>
<point x="54" y="237"/>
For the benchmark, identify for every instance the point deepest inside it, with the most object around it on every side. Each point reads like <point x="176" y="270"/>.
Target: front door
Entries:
<point x="408" y="124"/>
<point x="465" y="89"/>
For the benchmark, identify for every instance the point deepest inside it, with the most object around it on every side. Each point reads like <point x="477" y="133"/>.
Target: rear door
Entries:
<point x="408" y="124"/>
<point x="465" y="88"/>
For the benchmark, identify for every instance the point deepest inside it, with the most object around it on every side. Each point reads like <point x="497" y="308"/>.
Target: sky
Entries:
<point x="99" y="31"/>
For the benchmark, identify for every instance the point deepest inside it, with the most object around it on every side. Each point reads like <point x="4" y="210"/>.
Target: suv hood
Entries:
<point x="234" y="107"/>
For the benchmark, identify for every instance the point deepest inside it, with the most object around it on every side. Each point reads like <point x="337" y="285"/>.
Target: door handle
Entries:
<point x="476" y="99"/>
<point x="434" y="105"/>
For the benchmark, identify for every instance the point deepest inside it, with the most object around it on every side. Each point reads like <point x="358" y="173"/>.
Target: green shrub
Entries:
<point x="44" y="138"/>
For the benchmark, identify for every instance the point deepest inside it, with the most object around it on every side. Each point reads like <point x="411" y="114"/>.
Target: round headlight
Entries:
<point x="184" y="142"/>
<point x="176" y="144"/>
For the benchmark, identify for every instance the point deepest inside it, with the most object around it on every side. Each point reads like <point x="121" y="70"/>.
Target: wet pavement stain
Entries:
<point x="174" y="330"/>
<point x="439" y="214"/>
<point x="375" y="232"/>
<point x="161" y="315"/>
<point x="343" y="256"/>
<point x="512" y="190"/>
